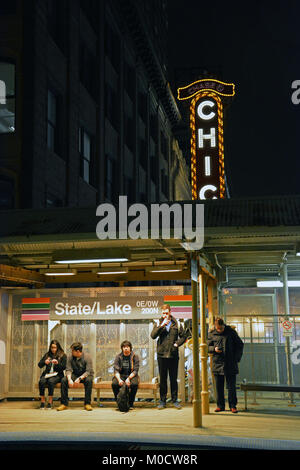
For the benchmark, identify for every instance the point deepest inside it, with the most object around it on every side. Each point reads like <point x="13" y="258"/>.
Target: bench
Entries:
<point x="79" y="386"/>
<point x="99" y="385"/>
<point x="247" y="387"/>
<point x="106" y="385"/>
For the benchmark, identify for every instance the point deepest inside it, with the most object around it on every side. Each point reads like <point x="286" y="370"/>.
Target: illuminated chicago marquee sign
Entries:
<point x="207" y="144"/>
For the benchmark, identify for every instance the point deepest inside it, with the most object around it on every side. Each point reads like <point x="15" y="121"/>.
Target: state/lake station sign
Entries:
<point x="104" y="308"/>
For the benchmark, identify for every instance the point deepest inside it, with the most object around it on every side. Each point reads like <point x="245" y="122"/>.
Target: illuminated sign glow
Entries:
<point x="207" y="148"/>
<point x="207" y="143"/>
<point x="218" y="87"/>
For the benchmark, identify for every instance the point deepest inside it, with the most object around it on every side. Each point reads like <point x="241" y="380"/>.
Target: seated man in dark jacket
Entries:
<point x="226" y="348"/>
<point x="170" y="336"/>
<point x="126" y="368"/>
<point x="79" y="369"/>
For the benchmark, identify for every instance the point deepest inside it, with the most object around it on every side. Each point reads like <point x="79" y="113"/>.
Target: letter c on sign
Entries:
<point x="200" y="112"/>
<point x="208" y="187"/>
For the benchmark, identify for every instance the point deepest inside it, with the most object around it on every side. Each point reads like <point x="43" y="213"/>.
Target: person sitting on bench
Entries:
<point x="79" y="370"/>
<point x="126" y="367"/>
<point x="55" y="361"/>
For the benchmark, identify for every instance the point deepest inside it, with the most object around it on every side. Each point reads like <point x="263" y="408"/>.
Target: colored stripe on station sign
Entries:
<point x="36" y="308"/>
<point x="181" y="305"/>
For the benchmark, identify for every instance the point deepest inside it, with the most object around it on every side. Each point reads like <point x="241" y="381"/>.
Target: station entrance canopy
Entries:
<point x="244" y="240"/>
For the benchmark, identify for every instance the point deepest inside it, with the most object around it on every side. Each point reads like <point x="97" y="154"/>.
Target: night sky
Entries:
<point x="255" y="45"/>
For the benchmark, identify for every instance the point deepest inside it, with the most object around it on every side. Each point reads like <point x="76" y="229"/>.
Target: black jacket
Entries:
<point x="166" y="339"/>
<point x="134" y="363"/>
<point x="226" y="362"/>
<point x="60" y="367"/>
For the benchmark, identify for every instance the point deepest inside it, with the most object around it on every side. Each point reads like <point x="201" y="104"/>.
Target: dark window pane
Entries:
<point x="87" y="158"/>
<point x="112" y="106"/>
<point x="57" y="21"/>
<point x="112" y="46"/>
<point x="7" y="193"/>
<point x="88" y="70"/>
<point x="51" y="137"/>
<point x="51" y="108"/>
<point x="86" y="171"/>
<point x="90" y="9"/>
<point x="52" y="122"/>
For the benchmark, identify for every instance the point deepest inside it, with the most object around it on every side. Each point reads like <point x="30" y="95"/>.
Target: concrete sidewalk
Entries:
<point x="272" y="421"/>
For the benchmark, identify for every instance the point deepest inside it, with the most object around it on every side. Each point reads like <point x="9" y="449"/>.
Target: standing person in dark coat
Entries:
<point x="126" y="368"/>
<point x="54" y="362"/>
<point x="226" y="348"/>
<point x="79" y="369"/>
<point x="170" y="336"/>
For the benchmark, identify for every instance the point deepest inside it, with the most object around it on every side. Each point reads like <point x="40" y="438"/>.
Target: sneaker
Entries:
<point x="177" y="405"/>
<point x="161" y="405"/>
<point x="49" y="406"/>
<point x="88" y="407"/>
<point x="234" y="410"/>
<point x="62" y="408"/>
<point x="218" y="409"/>
<point x="42" y="406"/>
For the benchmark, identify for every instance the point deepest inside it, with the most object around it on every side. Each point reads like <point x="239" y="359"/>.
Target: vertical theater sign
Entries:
<point x="207" y="144"/>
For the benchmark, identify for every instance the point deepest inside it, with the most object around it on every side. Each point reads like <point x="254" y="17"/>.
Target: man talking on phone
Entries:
<point x="170" y="336"/>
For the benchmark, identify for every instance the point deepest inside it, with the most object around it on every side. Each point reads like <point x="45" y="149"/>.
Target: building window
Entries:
<point x="129" y="189"/>
<point x="153" y="167"/>
<point x="112" y="47"/>
<point x="88" y="70"/>
<point x="163" y="145"/>
<point x="153" y="127"/>
<point x="111" y="180"/>
<point x="164" y="183"/>
<point x="56" y="20"/>
<point x="52" y="122"/>
<point x="91" y="10"/>
<point x="129" y="133"/>
<point x="143" y="154"/>
<point x="7" y="97"/>
<point x="129" y="80"/>
<point x="86" y="157"/>
<point x="7" y="192"/>
<point x="143" y="108"/>
<point x="112" y="106"/>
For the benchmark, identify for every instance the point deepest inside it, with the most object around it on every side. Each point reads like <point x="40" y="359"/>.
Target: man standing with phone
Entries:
<point x="170" y="336"/>
<point x="226" y="348"/>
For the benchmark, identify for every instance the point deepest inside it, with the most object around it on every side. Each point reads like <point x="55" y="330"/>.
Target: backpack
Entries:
<point x="123" y="398"/>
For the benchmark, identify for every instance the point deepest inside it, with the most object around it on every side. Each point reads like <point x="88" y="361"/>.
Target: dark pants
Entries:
<point x="50" y="383"/>
<point x="167" y="367"/>
<point x="134" y="383"/>
<point x="231" y="386"/>
<point x="88" y="385"/>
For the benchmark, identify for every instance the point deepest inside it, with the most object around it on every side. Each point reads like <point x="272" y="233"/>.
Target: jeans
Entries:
<point x="50" y="383"/>
<point x="231" y="386"/>
<point x="168" y="366"/>
<point x="134" y="383"/>
<point x="88" y="385"/>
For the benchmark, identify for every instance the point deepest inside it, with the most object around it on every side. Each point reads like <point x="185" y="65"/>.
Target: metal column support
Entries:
<point x="197" y="414"/>
<point x="203" y="348"/>
<point x="287" y="339"/>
